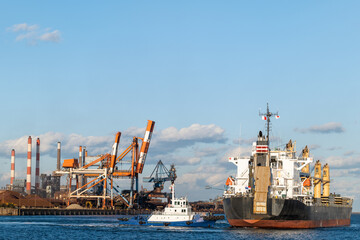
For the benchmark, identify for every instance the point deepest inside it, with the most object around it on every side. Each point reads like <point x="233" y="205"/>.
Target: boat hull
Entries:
<point x="285" y="213"/>
<point x="142" y="221"/>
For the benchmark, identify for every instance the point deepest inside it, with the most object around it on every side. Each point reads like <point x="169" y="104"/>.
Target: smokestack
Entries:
<point x="81" y="164"/>
<point x="12" y="169"/>
<point x="84" y="155"/>
<point x="28" y="176"/>
<point x="37" y="172"/>
<point x="80" y="156"/>
<point x="58" y="155"/>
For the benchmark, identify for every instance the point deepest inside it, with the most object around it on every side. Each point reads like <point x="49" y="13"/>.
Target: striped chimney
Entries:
<point x="114" y="151"/>
<point x="37" y="172"/>
<point x="145" y="145"/>
<point x="80" y="156"/>
<point x="12" y="169"/>
<point x="81" y="177"/>
<point x="28" y="175"/>
<point x="58" y="155"/>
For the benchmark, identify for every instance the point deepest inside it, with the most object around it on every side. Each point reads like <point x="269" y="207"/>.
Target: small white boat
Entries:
<point x="177" y="213"/>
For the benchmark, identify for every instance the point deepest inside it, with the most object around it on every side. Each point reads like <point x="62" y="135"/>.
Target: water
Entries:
<point x="107" y="227"/>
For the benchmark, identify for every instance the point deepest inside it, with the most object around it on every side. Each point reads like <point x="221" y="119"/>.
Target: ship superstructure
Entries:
<point x="274" y="188"/>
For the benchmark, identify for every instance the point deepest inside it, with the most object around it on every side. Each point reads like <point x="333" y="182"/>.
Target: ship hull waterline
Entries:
<point x="144" y="222"/>
<point x="284" y="213"/>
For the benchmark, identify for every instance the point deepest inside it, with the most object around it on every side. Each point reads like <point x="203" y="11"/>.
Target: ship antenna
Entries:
<point x="266" y="116"/>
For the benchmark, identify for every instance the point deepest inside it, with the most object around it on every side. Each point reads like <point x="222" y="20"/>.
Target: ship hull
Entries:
<point x="285" y="213"/>
<point x="143" y="221"/>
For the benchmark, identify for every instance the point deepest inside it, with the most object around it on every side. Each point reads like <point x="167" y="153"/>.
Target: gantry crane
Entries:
<point x="159" y="176"/>
<point x="107" y="171"/>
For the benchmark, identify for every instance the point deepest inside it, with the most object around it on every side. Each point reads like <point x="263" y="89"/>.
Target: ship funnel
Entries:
<point x="326" y="180"/>
<point x="317" y="180"/>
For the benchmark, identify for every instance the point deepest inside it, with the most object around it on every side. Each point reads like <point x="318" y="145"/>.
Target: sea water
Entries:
<point x="107" y="227"/>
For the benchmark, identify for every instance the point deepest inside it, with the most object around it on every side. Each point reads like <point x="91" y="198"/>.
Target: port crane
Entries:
<point x="107" y="170"/>
<point x="159" y="176"/>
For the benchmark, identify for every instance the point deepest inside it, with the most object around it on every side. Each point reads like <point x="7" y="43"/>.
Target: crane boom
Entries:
<point x="114" y="151"/>
<point x="145" y="146"/>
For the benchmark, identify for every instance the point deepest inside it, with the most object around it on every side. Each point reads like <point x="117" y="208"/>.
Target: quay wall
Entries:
<point x="62" y="211"/>
<point x="8" y="211"/>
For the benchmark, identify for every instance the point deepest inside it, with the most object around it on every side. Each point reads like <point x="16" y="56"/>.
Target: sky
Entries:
<point x="78" y="72"/>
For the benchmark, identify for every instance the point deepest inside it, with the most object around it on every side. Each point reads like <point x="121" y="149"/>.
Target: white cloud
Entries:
<point x="314" y="147"/>
<point x="23" y="27"/>
<point x="172" y="138"/>
<point x="204" y="133"/>
<point x="163" y="141"/>
<point x="334" y="148"/>
<point x="345" y="172"/>
<point x="5" y="176"/>
<point x="209" y="151"/>
<point x="341" y="185"/>
<point x="48" y="144"/>
<point x="331" y="127"/>
<point x="204" y="175"/>
<point x="349" y="153"/>
<point x="235" y="152"/>
<point x="53" y="36"/>
<point x="243" y="141"/>
<point x="340" y="162"/>
<point x="33" y="33"/>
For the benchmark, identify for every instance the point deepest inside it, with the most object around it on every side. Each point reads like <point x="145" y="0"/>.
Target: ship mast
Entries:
<point x="266" y="116"/>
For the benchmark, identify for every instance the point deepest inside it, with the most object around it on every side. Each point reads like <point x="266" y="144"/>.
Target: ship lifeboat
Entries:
<point x="230" y="181"/>
<point x="307" y="183"/>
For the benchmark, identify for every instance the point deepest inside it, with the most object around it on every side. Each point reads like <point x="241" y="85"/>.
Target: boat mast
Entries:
<point x="266" y="116"/>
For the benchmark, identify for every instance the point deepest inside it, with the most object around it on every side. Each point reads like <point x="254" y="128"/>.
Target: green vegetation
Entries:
<point x="7" y="205"/>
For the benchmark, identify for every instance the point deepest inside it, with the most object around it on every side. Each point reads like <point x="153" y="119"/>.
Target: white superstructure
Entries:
<point x="178" y="210"/>
<point x="286" y="180"/>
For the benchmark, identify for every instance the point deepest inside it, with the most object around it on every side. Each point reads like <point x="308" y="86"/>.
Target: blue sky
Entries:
<point x="200" y="69"/>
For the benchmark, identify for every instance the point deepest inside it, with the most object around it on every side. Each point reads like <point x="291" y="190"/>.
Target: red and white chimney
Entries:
<point x="28" y="175"/>
<point x="12" y="178"/>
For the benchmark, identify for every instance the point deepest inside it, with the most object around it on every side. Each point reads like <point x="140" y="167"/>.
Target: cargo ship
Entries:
<point x="274" y="188"/>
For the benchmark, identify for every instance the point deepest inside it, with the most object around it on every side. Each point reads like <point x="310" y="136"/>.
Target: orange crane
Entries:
<point x="108" y="169"/>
